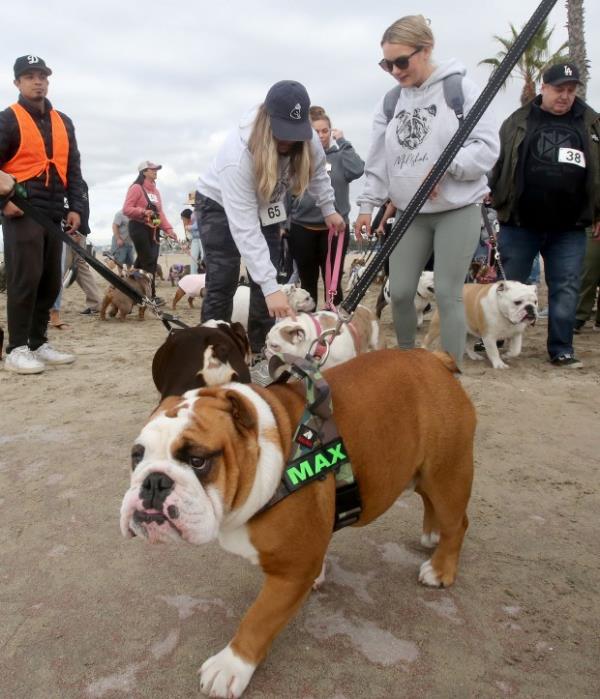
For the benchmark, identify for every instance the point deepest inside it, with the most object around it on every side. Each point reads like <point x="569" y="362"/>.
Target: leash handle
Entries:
<point x="332" y="277"/>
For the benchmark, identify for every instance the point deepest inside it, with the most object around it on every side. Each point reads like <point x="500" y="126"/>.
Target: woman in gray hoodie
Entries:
<point x="404" y="148"/>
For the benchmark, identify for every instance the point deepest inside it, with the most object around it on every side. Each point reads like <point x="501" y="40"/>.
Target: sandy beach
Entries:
<point x="86" y="613"/>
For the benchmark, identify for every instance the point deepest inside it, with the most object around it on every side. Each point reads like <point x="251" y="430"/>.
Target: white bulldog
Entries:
<point x="424" y="297"/>
<point x="499" y="311"/>
<point x="298" y="298"/>
<point x="296" y="337"/>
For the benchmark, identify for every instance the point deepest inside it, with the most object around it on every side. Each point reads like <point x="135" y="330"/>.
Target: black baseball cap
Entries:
<point x="560" y="74"/>
<point x="287" y="103"/>
<point x="25" y="63"/>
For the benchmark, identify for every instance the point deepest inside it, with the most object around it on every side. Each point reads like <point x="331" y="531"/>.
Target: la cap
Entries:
<point x="288" y="104"/>
<point x="560" y="74"/>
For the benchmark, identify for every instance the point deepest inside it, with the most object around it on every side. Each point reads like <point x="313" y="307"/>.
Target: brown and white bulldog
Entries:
<point x="116" y="301"/>
<point x="206" y="463"/>
<point x="296" y="337"/>
<point x="500" y="311"/>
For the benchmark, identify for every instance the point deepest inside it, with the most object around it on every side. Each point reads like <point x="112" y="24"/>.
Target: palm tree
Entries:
<point x="577" y="50"/>
<point x="534" y="60"/>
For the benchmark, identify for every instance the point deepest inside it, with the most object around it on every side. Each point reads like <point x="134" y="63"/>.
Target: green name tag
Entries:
<point x="315" y="464"/>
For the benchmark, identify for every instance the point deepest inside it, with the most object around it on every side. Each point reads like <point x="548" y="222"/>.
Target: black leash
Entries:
<point x="119" y="283"/>
<point x="348" y="306"/>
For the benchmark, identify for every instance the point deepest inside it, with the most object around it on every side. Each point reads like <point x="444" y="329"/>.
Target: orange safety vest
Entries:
<point x="31" y="159"/>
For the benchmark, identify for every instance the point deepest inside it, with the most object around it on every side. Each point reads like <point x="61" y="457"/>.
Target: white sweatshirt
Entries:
<point x="403" y="152"/>
<point x="230" y="181"/>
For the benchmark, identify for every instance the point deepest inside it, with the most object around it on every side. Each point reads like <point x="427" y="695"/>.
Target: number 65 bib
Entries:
<point x="272" y="213"/>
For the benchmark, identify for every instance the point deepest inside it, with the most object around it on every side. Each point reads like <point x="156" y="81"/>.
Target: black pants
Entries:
<point x="146" y="249"/>
<point x="222" y="259"/>
<point x="309" y="250"/>
<point x="33" y="277"/>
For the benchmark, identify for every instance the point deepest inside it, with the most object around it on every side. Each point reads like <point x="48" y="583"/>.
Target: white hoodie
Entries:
<point x="230" y="181"/>
<point x="403" y="152"/>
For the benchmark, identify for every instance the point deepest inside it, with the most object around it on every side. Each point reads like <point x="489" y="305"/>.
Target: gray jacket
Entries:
<point x="346" y="166"/>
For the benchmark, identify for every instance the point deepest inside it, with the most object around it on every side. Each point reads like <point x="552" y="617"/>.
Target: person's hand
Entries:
<point x="362" y="226"/>
<point x="487" y="200"/>
<point x="11" y="210"/>
<point x="278" y="305"/>
<point x="337" y="134"/>
<point x="173" y="236"/>
<point x="73" y="221"/>
<point x="7" y="183"/>
<point x="336" y="222"/>
<point x="120" y="242"/>
<point x="435" y="192"/>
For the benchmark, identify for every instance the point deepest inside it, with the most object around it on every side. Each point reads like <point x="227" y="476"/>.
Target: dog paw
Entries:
<point x="225" y="675"/>
<point x="500" y="365"/>
<point x="430" y="540"/>
<point x="428" y="576"/>
<point x="321" y="579"/>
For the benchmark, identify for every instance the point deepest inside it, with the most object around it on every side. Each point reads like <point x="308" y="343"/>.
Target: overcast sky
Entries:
<point x="165" y="81"/>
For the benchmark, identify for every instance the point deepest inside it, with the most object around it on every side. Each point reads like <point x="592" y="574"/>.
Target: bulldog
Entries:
<point x="298" y="298"/>
<point x="500" y="311"/>
<point x="116" y="301"/>
<point x="423" y="298"/>
<point x="193" y="285"/>
<point x="207" y="463"/>
<point x="296" y="337"/>
<point x="207" y="355"/>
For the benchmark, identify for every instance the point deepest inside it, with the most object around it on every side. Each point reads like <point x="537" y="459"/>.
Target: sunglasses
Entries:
<point x="401" y="62"/>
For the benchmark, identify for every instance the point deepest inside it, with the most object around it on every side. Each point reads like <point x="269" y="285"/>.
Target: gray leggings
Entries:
<point x="452" y="236"/>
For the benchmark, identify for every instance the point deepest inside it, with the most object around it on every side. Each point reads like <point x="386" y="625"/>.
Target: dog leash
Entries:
<point x="492" y="241"/>
<point x="332" y="277"/>
<point x="19" y="200"/>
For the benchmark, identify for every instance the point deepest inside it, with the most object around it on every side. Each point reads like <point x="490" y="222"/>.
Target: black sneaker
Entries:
<point x="480" y="347"/>
<point x="89" y="312"/>
<point x="578" y="327"/>
<point x="567" y="360"/>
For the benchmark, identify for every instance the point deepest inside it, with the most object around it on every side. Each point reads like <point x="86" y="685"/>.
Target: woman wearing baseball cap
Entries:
<point x="241" y="204"/>
<point x="143" y="208"/>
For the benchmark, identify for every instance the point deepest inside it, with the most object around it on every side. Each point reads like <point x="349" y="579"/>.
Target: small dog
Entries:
<point x="177" y="272"/>
<point x="116" y="301"/>
<point x="499" y="311"/>
<point x="296" y="337"/>
<point x="298" y="298"/>
<point x="211" y="354"/>
<point x="192" y="285"/>
<point x="423" y="298"/>
<point x="357" y="268"/>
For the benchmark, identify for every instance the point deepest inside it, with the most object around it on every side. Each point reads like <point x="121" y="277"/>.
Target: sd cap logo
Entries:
<point x="32" y="59"/>
<point x="295" y="113"/>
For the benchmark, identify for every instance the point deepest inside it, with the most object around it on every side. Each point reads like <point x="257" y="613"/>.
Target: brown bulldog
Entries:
<point x="206" y="464"/>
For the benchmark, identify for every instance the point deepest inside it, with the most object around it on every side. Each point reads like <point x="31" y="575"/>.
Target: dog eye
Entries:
<point x="199" y="463"/>
<point x="518" y="303"/>
<point x="137" y="454"/>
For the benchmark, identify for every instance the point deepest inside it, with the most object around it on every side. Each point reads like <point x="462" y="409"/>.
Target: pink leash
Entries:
<point x="332" y="278"/>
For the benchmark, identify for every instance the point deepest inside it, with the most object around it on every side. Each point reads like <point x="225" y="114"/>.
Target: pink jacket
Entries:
<point x="136" y="204"/>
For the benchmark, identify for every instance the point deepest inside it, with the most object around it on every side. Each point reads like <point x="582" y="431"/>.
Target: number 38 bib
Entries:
<point x="572" y="156"/>
<point x="272" y="213"/>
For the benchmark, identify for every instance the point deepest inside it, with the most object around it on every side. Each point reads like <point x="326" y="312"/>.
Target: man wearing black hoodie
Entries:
<point x="38" y="148"/>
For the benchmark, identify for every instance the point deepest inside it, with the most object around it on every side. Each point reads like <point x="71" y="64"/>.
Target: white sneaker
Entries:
<point x="22" y="361"/>
<point x="49" y="355"/>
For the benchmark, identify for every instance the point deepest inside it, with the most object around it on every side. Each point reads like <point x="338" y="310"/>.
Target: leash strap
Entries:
<point x="317" y="448"/>
<point x="332" y="277"/>
<point x="494" y="251"/>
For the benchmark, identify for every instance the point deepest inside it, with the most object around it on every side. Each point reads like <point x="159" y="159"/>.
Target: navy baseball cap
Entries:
<point x="560" y="74"/>
<point x="25" y="63"/>
<point x="287" y="103"/>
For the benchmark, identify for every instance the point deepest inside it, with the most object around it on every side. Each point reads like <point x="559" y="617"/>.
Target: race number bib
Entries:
<point x="328" y="168"/>
<point x="152" y="197"/>
<point x="571" y="156"/>
<point x="272" y="213"/>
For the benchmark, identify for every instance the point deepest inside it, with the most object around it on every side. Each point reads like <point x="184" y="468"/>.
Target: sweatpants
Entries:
<point x="33" y="276"/>
<point x="222" y="260"/>
<point x="452" y="236"/>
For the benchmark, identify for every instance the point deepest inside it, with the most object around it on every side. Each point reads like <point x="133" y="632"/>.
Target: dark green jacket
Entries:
<point x="503" y="178"/>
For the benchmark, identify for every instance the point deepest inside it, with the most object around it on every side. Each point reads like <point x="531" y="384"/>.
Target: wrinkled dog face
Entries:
<point x="298" y="298"/>
<point x="287" y="336"/>
<point x="517" y="302"/>
<point x="172" y="494"/>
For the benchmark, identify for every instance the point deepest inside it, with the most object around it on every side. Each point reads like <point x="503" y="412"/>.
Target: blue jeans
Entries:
<point x="563" y="255"/>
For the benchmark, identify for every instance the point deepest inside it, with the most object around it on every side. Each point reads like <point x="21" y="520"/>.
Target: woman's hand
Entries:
<point x="278" y="305"/>
<point x="363" y="221"/>
<point x="336" y="222"/>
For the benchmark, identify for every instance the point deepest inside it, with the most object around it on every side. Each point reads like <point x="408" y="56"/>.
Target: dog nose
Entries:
<point x="530" y="309"/>
<point x="154" y="490"/>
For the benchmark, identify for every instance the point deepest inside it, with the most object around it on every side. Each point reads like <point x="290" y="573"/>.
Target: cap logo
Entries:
<point x="32" y="59"/>
<point x="295" y="113"/>
<point x="568" y="71"/>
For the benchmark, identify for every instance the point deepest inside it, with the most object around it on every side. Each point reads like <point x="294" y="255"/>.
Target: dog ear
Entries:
<point x="241" y="411"/>
<point x="501" y="287"/>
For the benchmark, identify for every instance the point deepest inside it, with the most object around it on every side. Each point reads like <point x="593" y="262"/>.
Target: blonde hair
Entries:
<point x="412" y="30"/>
<point x="316" y="113"/>
<point x="263" y="147"/>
